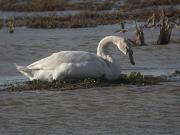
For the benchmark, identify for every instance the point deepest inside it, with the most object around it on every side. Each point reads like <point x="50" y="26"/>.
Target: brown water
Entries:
<point x="118" y="110"/>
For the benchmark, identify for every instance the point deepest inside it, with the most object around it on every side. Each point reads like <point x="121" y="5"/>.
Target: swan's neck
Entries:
<point x="103" y="45"/>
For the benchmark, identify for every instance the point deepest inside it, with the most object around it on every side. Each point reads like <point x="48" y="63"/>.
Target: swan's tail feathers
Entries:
<point x="25" y="71"/>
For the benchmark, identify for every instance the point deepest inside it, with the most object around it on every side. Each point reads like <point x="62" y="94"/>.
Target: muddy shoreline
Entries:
<point x="82" y="18"/>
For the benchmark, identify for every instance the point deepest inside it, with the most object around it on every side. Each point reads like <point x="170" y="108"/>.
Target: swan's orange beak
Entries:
<point x="131" y="57"/>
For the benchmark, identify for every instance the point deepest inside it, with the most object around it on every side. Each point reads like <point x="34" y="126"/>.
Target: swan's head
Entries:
<point x="126" y="49"/>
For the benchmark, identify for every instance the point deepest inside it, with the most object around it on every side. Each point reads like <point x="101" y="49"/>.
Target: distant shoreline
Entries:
<point x="54" y="5"/>
<point x="96" y="5"/>
<point x="89" y="18"/>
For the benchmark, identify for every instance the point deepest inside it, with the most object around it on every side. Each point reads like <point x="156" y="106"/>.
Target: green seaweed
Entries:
<point x="136" y="78"/>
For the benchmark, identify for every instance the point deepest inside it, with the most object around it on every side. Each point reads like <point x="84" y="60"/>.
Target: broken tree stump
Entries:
<point x="165" y="30"/>
<point x="139" y="35"/>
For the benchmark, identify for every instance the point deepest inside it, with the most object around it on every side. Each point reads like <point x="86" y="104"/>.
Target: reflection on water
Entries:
<point x="113" y="110"/>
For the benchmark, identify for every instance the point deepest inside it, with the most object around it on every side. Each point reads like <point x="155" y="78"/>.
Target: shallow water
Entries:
<point x="111" y="110"/>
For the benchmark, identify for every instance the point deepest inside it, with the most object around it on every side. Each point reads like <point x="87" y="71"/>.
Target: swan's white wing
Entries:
<point x="45" y="63"/>
<point x="54" y="60"/>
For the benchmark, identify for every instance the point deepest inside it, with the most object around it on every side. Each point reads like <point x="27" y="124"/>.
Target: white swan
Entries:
<point x="79" y="64"/>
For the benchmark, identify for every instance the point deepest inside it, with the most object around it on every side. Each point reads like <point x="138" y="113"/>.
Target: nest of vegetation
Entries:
<point x="71" y="84"/>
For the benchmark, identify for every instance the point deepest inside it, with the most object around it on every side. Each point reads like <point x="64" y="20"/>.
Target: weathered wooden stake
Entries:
<point x="165" y="30"/>
<point x="11" y="25"/>
<point x="139" y="35"/>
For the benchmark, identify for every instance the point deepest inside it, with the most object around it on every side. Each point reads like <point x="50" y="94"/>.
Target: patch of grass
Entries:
<point x="136" y="78"/>
<point x="84" y="19"/>
<point x="144" y="3"/>
<point x="52" y="5"/>
<point x="34" y="5"/>
<point x="71" y="84"/>
<point x="81" y="20"/>
<point x="106" y="5"/>
<point x="143" y="9"/>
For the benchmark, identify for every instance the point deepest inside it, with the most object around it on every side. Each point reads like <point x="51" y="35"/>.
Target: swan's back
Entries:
<point x="54" y="60"/>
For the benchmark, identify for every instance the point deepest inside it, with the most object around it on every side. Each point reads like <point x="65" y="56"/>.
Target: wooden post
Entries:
<point x="139" y="35"/>
<point x="165" y="29"/>
<point x="11" y="25"/>
<point x="1" y="24"/>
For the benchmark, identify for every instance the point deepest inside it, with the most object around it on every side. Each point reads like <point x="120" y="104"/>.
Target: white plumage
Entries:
<point x="77" y="64"/>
